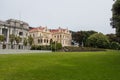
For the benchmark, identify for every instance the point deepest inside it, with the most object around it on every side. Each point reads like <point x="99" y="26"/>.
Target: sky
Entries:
<point x="76" y="15"/>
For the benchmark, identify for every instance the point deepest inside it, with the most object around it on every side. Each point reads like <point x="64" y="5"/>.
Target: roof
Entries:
<point x="58" y="30"/>
<point x="37" y="29"/>
<point x="54" y="30"/>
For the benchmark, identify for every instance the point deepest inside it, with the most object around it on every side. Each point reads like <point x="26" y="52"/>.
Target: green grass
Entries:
<point x="61" y="66"/>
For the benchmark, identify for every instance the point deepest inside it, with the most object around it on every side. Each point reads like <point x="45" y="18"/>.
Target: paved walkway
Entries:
<point x="12" y="51"/>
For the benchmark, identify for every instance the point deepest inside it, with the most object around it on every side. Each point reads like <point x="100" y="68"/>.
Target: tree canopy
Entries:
<point x="115" y="21"/>
<point x="81" y="36"/>
<point x="98" y="40"/>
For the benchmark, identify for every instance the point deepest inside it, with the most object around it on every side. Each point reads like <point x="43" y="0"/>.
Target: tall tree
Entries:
<point x="115" y="20"/>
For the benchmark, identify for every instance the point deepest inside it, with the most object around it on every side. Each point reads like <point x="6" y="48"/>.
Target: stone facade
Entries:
<point x="16" y="27"/>
<point x="42" y="36"/>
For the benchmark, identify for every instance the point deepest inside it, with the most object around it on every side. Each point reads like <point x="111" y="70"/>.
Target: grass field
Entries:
<point x="61" y="66"/>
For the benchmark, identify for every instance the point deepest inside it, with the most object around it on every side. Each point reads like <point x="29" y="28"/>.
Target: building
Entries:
<point x="62" y="36"/>
<point x="16" y="27"/>
<point x="43" y="36"/>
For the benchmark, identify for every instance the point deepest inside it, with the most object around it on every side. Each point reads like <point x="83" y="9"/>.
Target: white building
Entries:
<point x="16" y="27"/>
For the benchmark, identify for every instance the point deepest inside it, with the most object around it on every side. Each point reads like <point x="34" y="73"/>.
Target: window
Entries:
<point x="38" y="40"/>
<point x="20" y="33"/>
<point x="44" y="40"/>
<point x="47" y="40"/>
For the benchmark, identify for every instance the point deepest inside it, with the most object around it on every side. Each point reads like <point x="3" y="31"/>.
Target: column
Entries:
<point x="8" y="35"/>
<point x="7" y="44"/>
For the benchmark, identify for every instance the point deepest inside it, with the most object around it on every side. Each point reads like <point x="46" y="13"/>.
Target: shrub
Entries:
<point x="34" y="47"/>
<point x="44" y="47"/>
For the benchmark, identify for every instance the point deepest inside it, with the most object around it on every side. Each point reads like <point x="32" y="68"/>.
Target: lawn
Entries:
<point x="61" y="66"/>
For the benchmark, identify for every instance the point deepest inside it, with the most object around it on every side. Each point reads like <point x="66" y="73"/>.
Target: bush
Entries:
<point x="44" y="47"/>
<point x="81" y="49"/>
<point x="54" y="47"/>
<point x="34" y="47"/>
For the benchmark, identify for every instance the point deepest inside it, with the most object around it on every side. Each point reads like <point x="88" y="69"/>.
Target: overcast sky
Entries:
<point x="72" y="14"/>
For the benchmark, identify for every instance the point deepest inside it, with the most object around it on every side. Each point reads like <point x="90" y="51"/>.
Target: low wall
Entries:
<point x="13" y="51"/>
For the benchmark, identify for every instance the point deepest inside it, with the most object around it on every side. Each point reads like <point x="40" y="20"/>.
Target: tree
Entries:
<point x="115" y="45"/>
<point x="2" y="38"/>
<point x="25" y="42"/>
<point x="12" y="38"/>
<point x="115" y="20"/>
<point x="56" y="46"/>
<point x="18" y="39"/>
<point x="30" y="40"/>
<point x="113" y="38"/>
<point x="81" y="36"/>
<point x="98" y="40"/>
